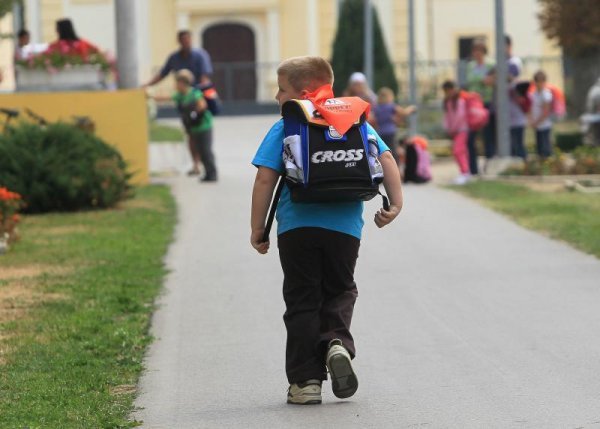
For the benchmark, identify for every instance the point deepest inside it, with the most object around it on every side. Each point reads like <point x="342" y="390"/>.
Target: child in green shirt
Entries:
<point x="198" y="123"/>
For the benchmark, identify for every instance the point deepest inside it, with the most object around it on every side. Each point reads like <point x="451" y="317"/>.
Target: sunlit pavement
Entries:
<point x="464" y="319"/>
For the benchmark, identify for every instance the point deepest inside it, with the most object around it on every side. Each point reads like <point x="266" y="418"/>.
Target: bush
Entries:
<point x="568" y="142"/>
<point x="583" y="160"/>
<point x="587" y="160"/>
<point x="61" y="168"/>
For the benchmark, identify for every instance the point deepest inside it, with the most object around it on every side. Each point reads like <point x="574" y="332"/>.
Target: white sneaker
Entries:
<point x="463" y="179"/>
<point x="307" y="393"/>
<point x="343" y="379"/>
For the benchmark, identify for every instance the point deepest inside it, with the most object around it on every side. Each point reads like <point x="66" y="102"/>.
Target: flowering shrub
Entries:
<point x="61" y="168"/>
<point x="10" y="204"/>
<point x="64" y="54"/>
<point x="583" y="160"/>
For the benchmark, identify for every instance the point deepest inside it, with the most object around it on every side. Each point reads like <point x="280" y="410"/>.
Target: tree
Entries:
<point x="348" y="48"/>
<point x="5" y="7"/>
<point x="575" y="26"/>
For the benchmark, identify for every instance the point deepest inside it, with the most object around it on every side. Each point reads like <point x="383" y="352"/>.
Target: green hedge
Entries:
<point x="61" y="168"/>
<point x="568" y="142"/>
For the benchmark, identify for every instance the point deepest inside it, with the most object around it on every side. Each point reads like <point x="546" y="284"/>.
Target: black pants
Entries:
<point x="203" y="143"/>
<point x="543" y="143"/>
<point x="517" y="142"/>
<point x="319" y="294"/>
<point x="472" y="147"/>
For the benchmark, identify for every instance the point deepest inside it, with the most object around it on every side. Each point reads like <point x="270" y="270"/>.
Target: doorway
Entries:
<point x="232" y="48"/>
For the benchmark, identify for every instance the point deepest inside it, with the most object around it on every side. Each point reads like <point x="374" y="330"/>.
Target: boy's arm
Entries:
<point x="262" y="194"/>
<point x="393" y="189"/>
<point x="201" y="105"/>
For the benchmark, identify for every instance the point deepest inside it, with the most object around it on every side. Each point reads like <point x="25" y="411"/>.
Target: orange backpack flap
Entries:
<point x="559" y="104"/>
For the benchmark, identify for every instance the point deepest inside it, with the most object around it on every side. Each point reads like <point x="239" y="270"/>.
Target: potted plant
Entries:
<point x="64" y="66"/>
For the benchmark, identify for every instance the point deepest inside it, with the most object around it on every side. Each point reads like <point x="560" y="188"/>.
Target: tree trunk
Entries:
<point x="583" y="71"/>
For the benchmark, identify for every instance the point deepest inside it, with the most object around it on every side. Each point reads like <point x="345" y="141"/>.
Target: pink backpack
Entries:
<point x="477" y="115"/>
<point x="423" y="163"/>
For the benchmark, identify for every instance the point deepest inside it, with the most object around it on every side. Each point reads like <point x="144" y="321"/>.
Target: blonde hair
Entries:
<point x="385" y="95"/>
<point x="185" y="76"/>
<point x="306" y="72"/>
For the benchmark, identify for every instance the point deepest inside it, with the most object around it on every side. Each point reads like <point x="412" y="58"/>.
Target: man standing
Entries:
<point x="196" y="60"/>
<point x="517" y="114"/>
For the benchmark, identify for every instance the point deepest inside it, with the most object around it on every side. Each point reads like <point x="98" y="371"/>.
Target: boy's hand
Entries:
<point x="256" y="241"/>
<point x="384" y="217"/>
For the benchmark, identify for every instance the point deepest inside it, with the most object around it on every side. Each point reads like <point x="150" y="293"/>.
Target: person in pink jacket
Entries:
<point x="456" y="125"/>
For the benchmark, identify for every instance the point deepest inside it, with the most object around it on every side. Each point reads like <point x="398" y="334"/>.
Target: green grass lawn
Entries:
<point x="165" y="133"/>
<point x="568" y="216"/>
<point x="76" y="296"/>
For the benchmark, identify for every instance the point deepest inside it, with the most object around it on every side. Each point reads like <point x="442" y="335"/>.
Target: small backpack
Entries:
<point x="213" y="102"/>
<point x="324" y="166"/>
<point x="190" y="117"/>
<point x="477" y="115"/>
<point x="417" y="167"/>
<point x="559" y="104"/>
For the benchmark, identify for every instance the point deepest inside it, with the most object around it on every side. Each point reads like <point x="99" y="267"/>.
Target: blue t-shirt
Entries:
<point x="341" y="217"/>
<point x="198" y="62"/>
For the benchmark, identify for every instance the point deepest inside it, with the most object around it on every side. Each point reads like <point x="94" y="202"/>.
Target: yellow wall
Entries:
<point x="120" y="117"/>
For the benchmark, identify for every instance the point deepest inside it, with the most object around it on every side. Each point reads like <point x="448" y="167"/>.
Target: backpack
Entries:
<point x="213" y="102"/>
<point x="521" y="95"/>
<point x="323" y="165"/>
<point x="477" y="115"/>
<point x="559" y="104"/>
<point x="417" y="167"/>
<point x="190" y="117"/>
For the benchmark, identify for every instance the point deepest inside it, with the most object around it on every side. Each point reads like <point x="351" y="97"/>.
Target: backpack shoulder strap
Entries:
<point x="273" y="209"/>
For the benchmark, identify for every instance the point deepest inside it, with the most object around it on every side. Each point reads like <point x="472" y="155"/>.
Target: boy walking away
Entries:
<point x="386" y="116"/>
<point x="541" y="115"/>
<point x="198" y="122"/>
<point x="319" y="219"/>
<point x="456" y="125"/>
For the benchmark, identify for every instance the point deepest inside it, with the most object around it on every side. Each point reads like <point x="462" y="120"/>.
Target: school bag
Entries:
<point x="417" y="168"/>
<point x="559" y="104"/>
<point x="322" y="165"/>
<point x="477" y="115"/>
<point x="213" y="102"/>
<point x="190" y="117"/>
<point x="521" y="95"/>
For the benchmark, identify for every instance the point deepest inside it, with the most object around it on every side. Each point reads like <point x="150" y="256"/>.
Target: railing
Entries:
<point x="257" y="81"/>
<point x="246" y="84"/>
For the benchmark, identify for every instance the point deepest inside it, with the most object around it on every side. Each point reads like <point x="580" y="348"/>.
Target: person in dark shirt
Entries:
<point x="196" y="60"/>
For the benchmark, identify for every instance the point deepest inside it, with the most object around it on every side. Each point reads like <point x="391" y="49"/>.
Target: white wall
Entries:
<point x="456" y="18"/>
<point x="94" y="21"/>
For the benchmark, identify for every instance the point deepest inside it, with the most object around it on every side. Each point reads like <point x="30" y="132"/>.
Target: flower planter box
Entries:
<point x="74" y="78"/>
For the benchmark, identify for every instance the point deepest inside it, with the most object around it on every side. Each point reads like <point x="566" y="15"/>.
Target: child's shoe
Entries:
<point x="463" y="179"/>
<point x="307" y="393"/>
<point x="339" y="363"/>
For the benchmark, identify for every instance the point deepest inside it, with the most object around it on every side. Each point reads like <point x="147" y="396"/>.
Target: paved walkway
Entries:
<point x="464" y="320"/>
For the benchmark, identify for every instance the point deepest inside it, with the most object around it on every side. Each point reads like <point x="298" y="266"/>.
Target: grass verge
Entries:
<point x="76" y="295"/>
<point x="572" y="217"/>
<point x="165" y="133"/>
